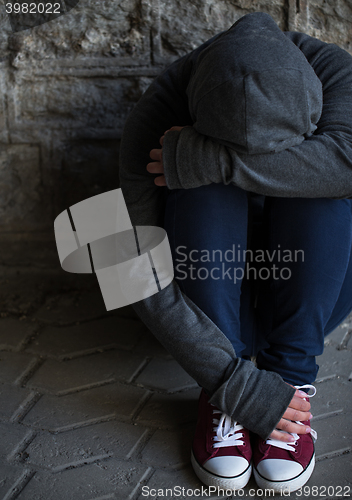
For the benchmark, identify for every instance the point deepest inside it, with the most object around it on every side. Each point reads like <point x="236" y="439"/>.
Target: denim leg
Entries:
<point x="296" y="303"/>
<point x="343" y="306"/>
<point x="202" y="225"/>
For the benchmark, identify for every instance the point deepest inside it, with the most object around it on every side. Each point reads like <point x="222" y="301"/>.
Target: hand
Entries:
<point x="157" y="167"/>
<point x="297" y="410"/>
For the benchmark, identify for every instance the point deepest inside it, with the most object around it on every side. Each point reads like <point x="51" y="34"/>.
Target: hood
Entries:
<point x="252" y="89"/>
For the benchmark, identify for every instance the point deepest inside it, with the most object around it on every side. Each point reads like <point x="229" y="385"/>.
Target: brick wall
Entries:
<point x="68" y="85"/>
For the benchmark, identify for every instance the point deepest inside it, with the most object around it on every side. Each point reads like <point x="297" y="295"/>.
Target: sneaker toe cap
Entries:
<point x="228" y="466"/>
<point x="275" y="469"/>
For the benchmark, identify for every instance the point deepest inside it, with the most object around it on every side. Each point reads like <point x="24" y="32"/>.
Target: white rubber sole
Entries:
<point x="288" y="485"/>
<point x="233" y="483"/>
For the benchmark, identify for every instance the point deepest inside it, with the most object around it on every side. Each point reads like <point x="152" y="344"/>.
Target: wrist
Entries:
<point x="169" y="157"/>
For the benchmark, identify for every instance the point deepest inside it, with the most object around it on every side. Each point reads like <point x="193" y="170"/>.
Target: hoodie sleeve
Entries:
<point x="321" y="166"/>
<point x="235" y="386"/>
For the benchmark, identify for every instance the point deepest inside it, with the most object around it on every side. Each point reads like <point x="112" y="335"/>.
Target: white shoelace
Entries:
<point x="291" y="446"/>
<point x="227" y="431"/>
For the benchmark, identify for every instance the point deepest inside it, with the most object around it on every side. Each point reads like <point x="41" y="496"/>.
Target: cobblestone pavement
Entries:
<point x="93" y="407"/>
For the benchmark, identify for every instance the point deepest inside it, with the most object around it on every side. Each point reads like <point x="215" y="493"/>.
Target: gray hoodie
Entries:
<point x="242" y="128"/>
<point x="253" y="90"/>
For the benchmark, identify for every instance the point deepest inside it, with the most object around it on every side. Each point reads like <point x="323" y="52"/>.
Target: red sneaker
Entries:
<point x="221" y="451"/>
<point x="285" y="466"/>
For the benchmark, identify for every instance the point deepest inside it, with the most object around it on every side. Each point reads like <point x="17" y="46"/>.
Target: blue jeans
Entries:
<point x="274" y="274"/>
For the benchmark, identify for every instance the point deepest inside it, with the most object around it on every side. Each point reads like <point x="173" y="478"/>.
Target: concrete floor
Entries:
<point x="93" y="407"/>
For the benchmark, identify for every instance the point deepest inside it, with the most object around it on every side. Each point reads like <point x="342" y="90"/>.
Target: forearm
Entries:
<point x="320" y="167"/>
<point x="235" y="385"/>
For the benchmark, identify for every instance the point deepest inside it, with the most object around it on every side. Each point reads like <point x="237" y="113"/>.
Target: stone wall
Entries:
<point x="68" y="85"/>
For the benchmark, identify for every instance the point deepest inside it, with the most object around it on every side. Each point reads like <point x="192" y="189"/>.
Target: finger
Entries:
<point x="301" y="394"/>
<point x="174" y="128"/>
<point x="155" y="167"/>
<point x="296" y="415"/>
<point x="156" y="154"/>
<point x="161" y="140"/>
<point x="282" y="436"/>
<point x="160" y="180"/>
<point x="292" y="427"/>
<point x="299" y="404"/>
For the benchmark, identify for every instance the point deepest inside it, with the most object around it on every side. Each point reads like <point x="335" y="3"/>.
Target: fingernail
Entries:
<point x="302" y="393"/>
<point x="307" y="430"/>
<point x="311" y="416"/>
<point x="291" y="439"/>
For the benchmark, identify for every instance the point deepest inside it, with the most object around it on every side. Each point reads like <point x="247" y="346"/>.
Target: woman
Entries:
<point x="252" y="121"/>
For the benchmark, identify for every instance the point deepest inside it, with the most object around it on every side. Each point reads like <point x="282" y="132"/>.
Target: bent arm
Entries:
<point x="321" y="166"/>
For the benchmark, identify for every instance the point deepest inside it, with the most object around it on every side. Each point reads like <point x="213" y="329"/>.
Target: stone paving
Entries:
<point x="92" y="407"/>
